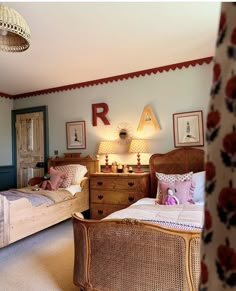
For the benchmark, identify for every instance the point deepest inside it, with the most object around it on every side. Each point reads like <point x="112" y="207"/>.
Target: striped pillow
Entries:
<point x="70" y="172"/>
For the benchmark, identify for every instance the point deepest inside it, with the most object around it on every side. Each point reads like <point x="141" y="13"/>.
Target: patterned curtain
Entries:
<point x="218" y="249"/>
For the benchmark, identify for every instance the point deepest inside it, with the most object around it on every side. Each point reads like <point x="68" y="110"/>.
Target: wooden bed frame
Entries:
<point x="19" y="218"/>
<point x="127" y="254"/>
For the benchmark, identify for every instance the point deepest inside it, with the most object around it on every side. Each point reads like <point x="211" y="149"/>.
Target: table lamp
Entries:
<point x="105" y="148"/>
<point x="138" y="146"/>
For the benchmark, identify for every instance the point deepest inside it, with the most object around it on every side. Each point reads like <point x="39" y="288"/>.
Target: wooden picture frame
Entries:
<point x="76" y="135"/>
<point x="188" y="129"/>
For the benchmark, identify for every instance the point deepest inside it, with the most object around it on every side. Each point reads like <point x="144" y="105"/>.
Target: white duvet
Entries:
<point x="187" y="216"/>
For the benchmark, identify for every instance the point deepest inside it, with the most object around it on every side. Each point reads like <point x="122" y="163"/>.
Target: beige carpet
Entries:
<point x="41" y="262"/>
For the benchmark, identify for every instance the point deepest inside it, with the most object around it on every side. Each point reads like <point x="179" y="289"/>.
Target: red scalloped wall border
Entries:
<point x="111" y="79"/>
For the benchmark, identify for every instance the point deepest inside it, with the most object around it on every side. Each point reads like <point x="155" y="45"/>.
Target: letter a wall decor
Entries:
<point x="148" y="118"/>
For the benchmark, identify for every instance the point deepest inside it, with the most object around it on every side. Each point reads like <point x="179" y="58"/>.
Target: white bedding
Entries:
<point x="187" y="216"/>
<point x="74" y="189"/>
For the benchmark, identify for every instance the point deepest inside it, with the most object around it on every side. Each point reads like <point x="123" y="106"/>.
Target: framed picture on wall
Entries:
<point x="75" y="135"/>
<point x="188" y="129"/>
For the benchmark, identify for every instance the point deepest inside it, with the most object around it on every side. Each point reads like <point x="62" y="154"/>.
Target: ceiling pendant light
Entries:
<point x="14" y="31"/>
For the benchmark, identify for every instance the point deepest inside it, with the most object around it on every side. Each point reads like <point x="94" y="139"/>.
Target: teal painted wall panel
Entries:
<point x="7" y="177"/>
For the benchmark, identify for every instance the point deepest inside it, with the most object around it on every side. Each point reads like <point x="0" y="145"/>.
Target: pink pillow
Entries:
<point x="44" y="184"/>
<point x="56" y="178"/>
<point x="183" y="190"/>
<point x="47" y="185"/>
<point x="171" y="178"/>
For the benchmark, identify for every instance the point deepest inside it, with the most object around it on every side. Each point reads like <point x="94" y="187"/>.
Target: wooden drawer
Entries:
<point x="99" y="211"/>
<point x="127" y="183"/>
<point x="102" y="183"/>
<point x="112" y="197"/>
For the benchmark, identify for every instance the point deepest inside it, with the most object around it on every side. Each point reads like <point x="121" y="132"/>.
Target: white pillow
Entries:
<point x="199" y="191"/>
<point x="73" y="189"/>
<point x="80" y="172"/>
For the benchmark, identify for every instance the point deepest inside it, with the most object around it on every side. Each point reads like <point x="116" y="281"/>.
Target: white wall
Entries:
<point x="167" y="93"/>
<point x="6" y="105"/>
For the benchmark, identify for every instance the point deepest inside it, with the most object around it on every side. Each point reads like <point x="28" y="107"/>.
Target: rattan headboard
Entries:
<point x="91" y="164"/>
<point x="178" y="161"/>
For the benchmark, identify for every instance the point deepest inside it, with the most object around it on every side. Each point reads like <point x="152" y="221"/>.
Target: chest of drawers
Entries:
<point x="110" y="192"/>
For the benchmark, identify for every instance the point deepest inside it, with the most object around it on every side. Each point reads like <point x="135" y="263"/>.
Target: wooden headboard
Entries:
<point x="178" y="161"/>
<point x="75" y="158"/>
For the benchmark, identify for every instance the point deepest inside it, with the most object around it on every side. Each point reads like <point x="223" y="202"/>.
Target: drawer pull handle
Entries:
<point x="100" y="197"/>
<point x="131" y="198"/>
<point x="99" y="183"/>
<point x="131" y="184"/>
<point x="100" y="211"/>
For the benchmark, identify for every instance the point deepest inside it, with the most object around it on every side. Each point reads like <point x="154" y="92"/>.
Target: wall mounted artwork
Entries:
<point x="188" y="129"/>
<point x="75" y="135"/>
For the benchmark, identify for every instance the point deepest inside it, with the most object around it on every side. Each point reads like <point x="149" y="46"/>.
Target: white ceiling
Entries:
<point x="74" y="42"/>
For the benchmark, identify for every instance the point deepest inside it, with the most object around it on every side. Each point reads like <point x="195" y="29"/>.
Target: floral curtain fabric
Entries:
<point x="218" y="250"/>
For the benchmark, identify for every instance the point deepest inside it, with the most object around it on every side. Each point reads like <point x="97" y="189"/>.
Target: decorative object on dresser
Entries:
<point x="138" y="146"/>
<point x="105" y="148"/>
<point x="112" y="192"/>
<point x="188" y="129"/>
<point x="75" y="135"/>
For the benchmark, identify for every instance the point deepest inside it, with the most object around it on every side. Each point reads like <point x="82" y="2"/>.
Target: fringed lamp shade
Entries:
<point x="14" y="31"/>
<point x="105" y="148"/>
<point x="138" y="146"/>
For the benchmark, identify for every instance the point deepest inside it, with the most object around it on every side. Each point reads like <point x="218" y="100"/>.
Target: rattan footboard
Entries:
<point x="119" y="255"/>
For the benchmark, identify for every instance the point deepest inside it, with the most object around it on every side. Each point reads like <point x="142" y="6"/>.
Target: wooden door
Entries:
<point x="29" y="146"/>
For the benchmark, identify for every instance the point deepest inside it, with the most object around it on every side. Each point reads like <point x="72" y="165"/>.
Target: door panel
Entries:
<point x="29" y="146"/>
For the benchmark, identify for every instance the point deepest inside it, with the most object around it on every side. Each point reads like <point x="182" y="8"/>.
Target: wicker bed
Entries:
<point x="19" y="218"/>
<point x="134" y="255"/>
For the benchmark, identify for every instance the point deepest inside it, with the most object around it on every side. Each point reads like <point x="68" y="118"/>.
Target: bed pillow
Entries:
<point x="80" y="172"/>
<point x="70" y="172"/>
<point x="56" y="178"/>
<point x="48" y="185"/>
<point x="171" y="178"/>
<point x="182" y="190"/>
<point x="199" y="192"/>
